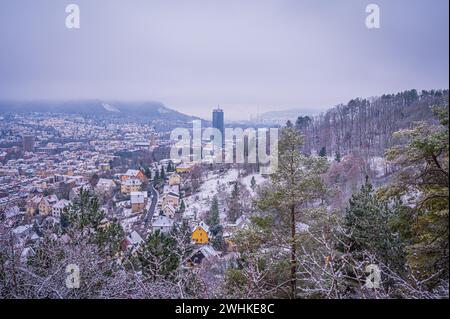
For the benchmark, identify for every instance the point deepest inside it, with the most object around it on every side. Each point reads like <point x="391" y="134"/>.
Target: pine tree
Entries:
<point x="84" y="216"/>
<point x="296" y="182"/>
<point x="423" y="174"/>
<point x="163" y="173"/>
<point x="85" y="212"/>
<point x="323" y="152"/>
<point x="158" y="257"/>
<point x="148" y="173"/>
<point x="213" y="214"/>
<point x="234" y="205"/>
<point x="366" y="221"/>
<point x="253" y="183"/>
<point x="110" y="238"/>
<point x="218" y="242"/>
<point x="337" y="157"/>
<point x="235" y="191"/>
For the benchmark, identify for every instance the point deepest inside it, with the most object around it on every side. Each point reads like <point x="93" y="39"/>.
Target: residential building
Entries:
<point x="200" y="233"/>
<point x="46" y="204"/>
<point x="162" y="223"/>
<point x="59" y="207"/>
<point x="138" y="201"/>
<point x="130" y="185"/>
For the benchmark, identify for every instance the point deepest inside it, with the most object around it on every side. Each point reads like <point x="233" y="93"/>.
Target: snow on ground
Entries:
<point x="247" y="181"/>
<point x="221" y="186"/>
<point x="127" y="223"/>
<point x="201" y="201"/>
<point x="378" y="164"/>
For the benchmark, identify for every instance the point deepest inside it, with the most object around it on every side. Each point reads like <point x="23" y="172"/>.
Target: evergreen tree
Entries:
<point x="157" y="256"/>
<point x="367" y="221"/>
<point x="323" y="152"/>
<point x="213" y="214"/>
<point x="302" y="122"/>
<point x="253" y="183"/>
<point x="84" y="216"/>
<point x="218" y="242"/>
<point x="109" y="238"/>
<point x="423" y="174"/>
<point x="148" y="173"/>
<point x="163" y="174"/>
<point x="84" y="212"/>
<point x="234" y="204"/>
<point x="235" y="191"/>
<point x="296" y="182"/>
<point x="337" y="157"/>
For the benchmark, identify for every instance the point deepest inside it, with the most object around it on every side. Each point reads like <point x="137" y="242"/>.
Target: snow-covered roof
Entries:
<point x="132" y="172"/>
<point x="207" y="251"/>
<point x="62" y="204"/>
<point x="163" y="221"/>
<point x="134" y="238"/>
<point x="170" y="207"/>
<point x="172" y="189"/>
<point x="21" y="229"/>
<point x="104" y="182"/>
<point x="202" y="225"/>
<point x="132" y="181"/>
<point x="138" y="197"/>
<point x="12" y="211"/>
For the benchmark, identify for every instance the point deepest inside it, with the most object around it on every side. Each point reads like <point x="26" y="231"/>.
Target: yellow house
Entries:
<point x="104" y="166"/>
<point x="46" y="204"/>
<point x="200" y="233"/>
<point x="33" y="205"/>
<point x="183" y="168"/>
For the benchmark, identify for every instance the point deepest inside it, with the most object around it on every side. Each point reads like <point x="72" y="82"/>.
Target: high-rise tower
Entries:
<point x="218" y="123"/>
<point x="28" y="143"/>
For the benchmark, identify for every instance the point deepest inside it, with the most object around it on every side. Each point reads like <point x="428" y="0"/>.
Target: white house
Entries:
<point x="58" y="208"/>
<point x="105" y="185"/>
<point x="162" y="223"/>
<point x="134" y="240"/>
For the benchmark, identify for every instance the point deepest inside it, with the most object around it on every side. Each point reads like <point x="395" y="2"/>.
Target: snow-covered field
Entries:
<point x="378" y="164"/>
<point x="221" y="186"/>
<point x="247" y="180"/>
<point x="127" y="223"/>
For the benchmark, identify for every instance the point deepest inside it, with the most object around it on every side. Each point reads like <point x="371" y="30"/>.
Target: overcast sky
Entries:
<point x="246" y="55"/>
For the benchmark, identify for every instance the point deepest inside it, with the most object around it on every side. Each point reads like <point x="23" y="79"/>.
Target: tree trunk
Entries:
<point x="293" y="255"/>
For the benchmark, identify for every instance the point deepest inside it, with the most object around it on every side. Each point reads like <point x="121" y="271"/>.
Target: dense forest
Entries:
<point x="366" y="126"/>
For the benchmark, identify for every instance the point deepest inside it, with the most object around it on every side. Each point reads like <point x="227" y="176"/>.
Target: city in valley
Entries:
<point x="101" y="187"/>
<point x="270" y="151"/>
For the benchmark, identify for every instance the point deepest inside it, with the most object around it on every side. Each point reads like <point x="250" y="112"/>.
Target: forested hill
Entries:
<point x="365" y="126"/>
